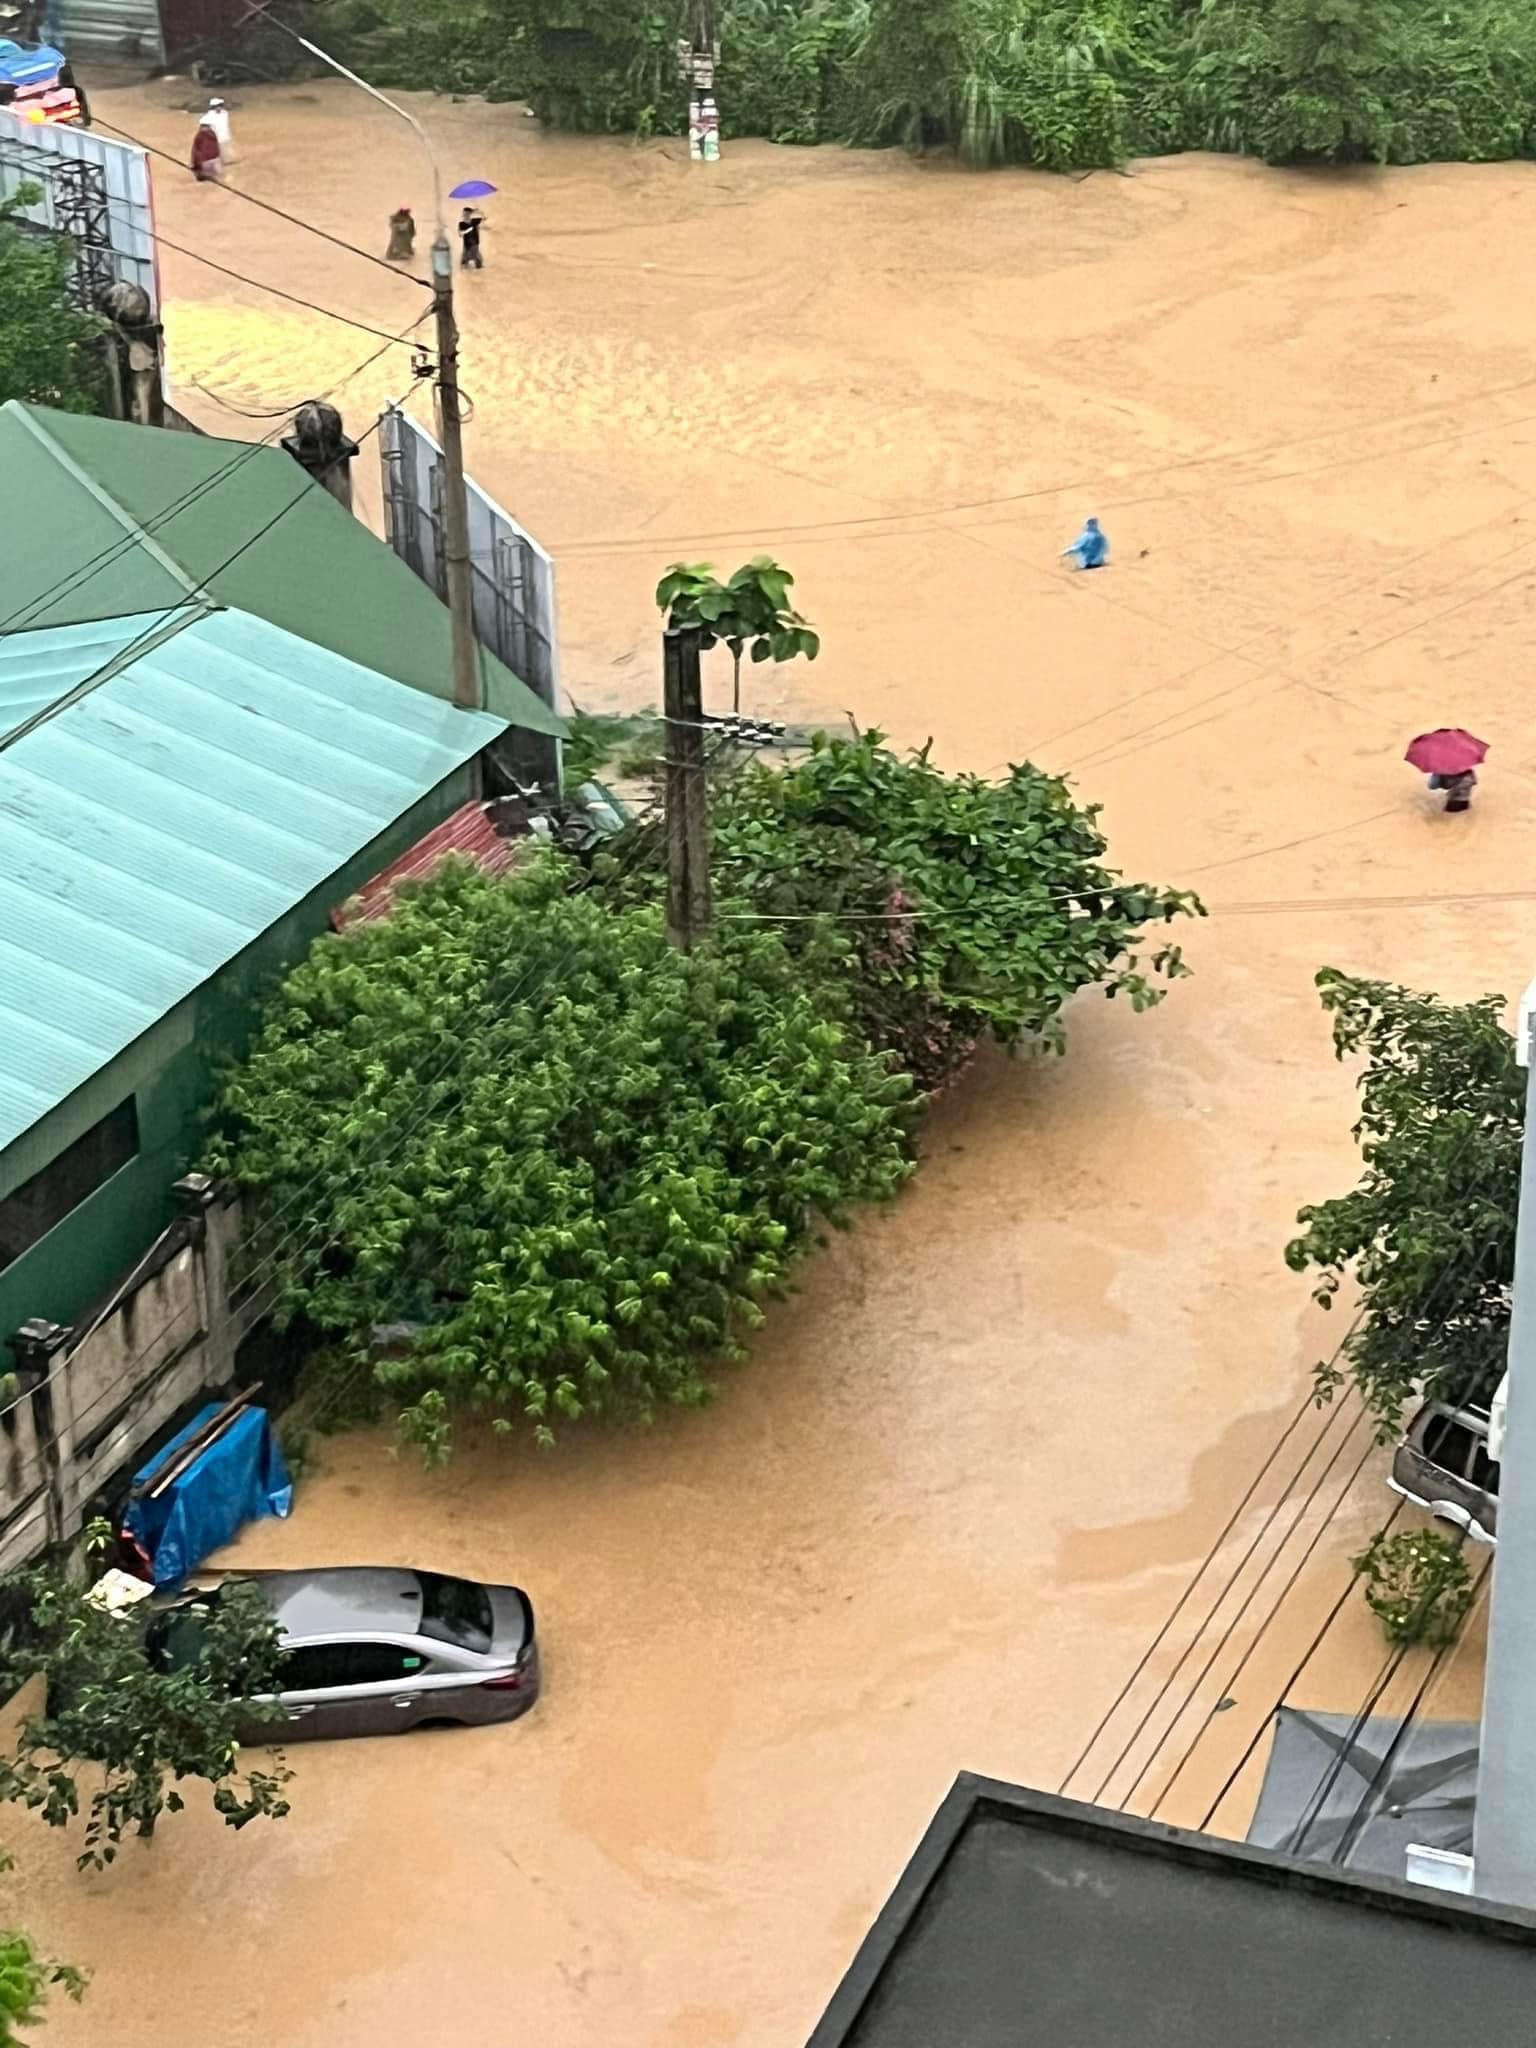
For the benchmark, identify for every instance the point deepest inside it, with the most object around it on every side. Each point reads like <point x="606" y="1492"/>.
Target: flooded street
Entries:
<point x="976" y="1459"/>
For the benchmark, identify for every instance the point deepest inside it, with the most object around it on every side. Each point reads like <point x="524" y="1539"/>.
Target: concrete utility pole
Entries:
<point x="1504" y="1828"/>
<point x="687" y="793"/>
<point x="456" y="564"/>
<point x="457" y="576"/>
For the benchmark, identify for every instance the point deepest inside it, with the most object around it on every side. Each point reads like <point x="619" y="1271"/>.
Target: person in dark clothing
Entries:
<point x="470" y="224"/>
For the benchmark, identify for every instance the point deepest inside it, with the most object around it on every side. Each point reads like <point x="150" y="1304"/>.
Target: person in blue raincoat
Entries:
<point x="1091" y="548"/>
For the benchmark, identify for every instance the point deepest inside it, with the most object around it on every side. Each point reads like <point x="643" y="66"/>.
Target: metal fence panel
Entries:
<point x="32" y="153"/>
<point x="513" y="577"/>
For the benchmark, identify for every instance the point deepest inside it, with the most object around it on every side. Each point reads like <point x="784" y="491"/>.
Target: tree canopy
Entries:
<point x="1064" y="86"/>
<point x="1428" y="1235"/>
<point x="132" y="1720"/>
<point x="974" y="908"/>
<point x="47" y="347"/>
<point x="589" y="1156"/>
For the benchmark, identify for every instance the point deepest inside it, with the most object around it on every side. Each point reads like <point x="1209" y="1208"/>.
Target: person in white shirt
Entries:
<point x="217" y="118"/>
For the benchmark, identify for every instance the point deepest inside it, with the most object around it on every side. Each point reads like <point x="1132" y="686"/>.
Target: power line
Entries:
<point x="1337" y="1409"/>
<point x="76" y="578"/>
<point x="395" y="1136"/>
<point x="1188" y="1593"/>
<point x="1242" y="1664"/>
<point x="153" y="234"/>
<point x="267" y="206"/>
<point x="1350" y="1834"/>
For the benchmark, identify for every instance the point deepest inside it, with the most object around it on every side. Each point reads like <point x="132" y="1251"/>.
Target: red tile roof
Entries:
<point x="468" y="833"/>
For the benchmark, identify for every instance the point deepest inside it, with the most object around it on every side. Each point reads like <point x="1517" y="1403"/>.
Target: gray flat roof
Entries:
<point x="1025" y="1920"/>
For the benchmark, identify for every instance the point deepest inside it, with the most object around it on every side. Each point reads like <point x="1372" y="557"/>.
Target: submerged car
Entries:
<point x="1443" y="1464"/>
<point x="375" y="1650"/>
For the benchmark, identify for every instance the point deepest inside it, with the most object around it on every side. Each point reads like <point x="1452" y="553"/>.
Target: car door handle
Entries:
<point x="405" y="1700"/>
<point x="293" y="1713"/>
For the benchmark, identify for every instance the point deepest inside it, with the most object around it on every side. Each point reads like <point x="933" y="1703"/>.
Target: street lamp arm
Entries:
<point x="373" y="92"/>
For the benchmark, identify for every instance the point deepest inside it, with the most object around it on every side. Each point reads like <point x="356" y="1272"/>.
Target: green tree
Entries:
<point x="136" y="1720"/>
<point x="26" y="1979"/>
<point x="750" y="610"/>
<point x="974" y="908"/>
<point x="1337" y="63"/>
<point x="48" y="349"/>
<point x="573" y="1159"/>
<point x="1428" y="1235"/>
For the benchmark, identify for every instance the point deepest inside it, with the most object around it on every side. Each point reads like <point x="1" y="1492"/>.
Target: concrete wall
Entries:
<point x="91" y="1398"/>
<point x="172" y="1073"/>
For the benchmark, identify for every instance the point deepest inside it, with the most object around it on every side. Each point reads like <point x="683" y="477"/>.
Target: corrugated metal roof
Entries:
<point x="154" y="826"/>
<point x="122" y="518"/>
<point x="469" y="833"/>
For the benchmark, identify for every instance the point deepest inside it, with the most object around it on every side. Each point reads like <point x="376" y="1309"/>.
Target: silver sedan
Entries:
<point x="375" y="1650"/>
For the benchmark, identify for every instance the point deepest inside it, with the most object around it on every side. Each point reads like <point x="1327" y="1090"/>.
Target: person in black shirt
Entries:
<point x="470" y="224"/>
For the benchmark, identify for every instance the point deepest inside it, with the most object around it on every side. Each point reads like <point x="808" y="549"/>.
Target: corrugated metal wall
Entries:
<point x="27" y="153"/>
<point x="119" y="28"/>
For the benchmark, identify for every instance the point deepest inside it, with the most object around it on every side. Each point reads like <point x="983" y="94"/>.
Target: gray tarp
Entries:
<point x="1369" y="1815"/>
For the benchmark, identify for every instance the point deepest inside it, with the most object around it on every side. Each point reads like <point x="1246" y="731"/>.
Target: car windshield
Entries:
<point x="455" y="1611"/>
<point x="174" y="1642"/>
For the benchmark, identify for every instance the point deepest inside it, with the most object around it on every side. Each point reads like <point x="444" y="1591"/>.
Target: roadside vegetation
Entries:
<point x="49" y="351"/>
<point x="1425" y="1243"/>
<point x="515" y="1154"/>
<point x="1011" y="81"/>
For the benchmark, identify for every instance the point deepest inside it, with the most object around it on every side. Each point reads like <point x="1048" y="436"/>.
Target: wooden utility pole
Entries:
<point x="455" y="536"/>
<point x="687" y="793"/>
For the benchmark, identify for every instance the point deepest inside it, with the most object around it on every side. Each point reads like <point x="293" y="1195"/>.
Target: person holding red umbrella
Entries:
<point x="1449" y="756"/>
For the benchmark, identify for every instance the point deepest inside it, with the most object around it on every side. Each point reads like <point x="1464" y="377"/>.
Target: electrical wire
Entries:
<point x="1253" y="1593"/>
<point x="1337" y="1409"/>
<point x="1242" y="1663"/>
<point x="397" y="1134"/>
<point x="1444" y="1282"/>
<point x="832" y="528"/>
<point x="1358" y="1821"/>
<point x="267" y="206"/>
<point x="1295" y="1679"/>
<point x="1335" y="1768"/>
<point x="196" y="256"/>
<point x="75" y="578"/>
<point x="1187" y="1595"/>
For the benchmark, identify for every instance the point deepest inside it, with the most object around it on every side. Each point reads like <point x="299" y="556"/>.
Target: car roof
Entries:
<point x="342" y="1599"/>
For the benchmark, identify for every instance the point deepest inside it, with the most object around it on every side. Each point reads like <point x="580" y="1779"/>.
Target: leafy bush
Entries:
<point x="1429" y="1234"/>
<point x="1417" y="1585"/>
<point x="1026" y="81"/>
<point x="49" y="352"/>
<point x="599" y="1153"/>
<point x="975" y="908"/>
<point x="26" y="1978"/>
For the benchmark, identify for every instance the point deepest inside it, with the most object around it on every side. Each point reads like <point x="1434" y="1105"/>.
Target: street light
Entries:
<point x="456" y="564"/>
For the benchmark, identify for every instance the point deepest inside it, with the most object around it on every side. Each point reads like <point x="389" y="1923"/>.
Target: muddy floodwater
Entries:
<point x="973" y="1463"/>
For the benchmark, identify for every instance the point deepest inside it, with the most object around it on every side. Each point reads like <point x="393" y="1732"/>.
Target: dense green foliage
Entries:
<point x="48" y="354"/>
<point x="588" y="1156"/>
<point x="975" y="908"/>
<point x="1067" y="86"/>
<point x="131" y="1722"/>
<point x="26" y="1978"/>
<point x="1429" y="1233"/>
<point x="1417" y="1585"/>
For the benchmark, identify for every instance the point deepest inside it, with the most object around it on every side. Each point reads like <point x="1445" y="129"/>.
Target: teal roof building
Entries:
<point x="185" y="797"/>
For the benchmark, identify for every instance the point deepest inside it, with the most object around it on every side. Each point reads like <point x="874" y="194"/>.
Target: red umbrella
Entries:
<point x="1446" y="751"/>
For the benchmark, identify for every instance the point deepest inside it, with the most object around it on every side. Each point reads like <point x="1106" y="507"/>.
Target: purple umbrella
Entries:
<point x="472" y="188"/>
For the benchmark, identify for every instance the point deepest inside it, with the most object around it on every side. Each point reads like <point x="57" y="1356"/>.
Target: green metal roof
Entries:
<point x="209" y="772"/>
<point x="100" y="538"/>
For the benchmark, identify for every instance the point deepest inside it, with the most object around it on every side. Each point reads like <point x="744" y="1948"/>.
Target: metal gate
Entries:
<point x="93" y="189"/>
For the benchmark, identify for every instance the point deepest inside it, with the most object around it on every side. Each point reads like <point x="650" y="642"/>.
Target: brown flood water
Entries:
<point x="975" y="1460"/>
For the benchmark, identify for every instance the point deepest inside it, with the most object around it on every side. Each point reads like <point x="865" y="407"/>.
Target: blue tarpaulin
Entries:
<point x="238" y="1479"/>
